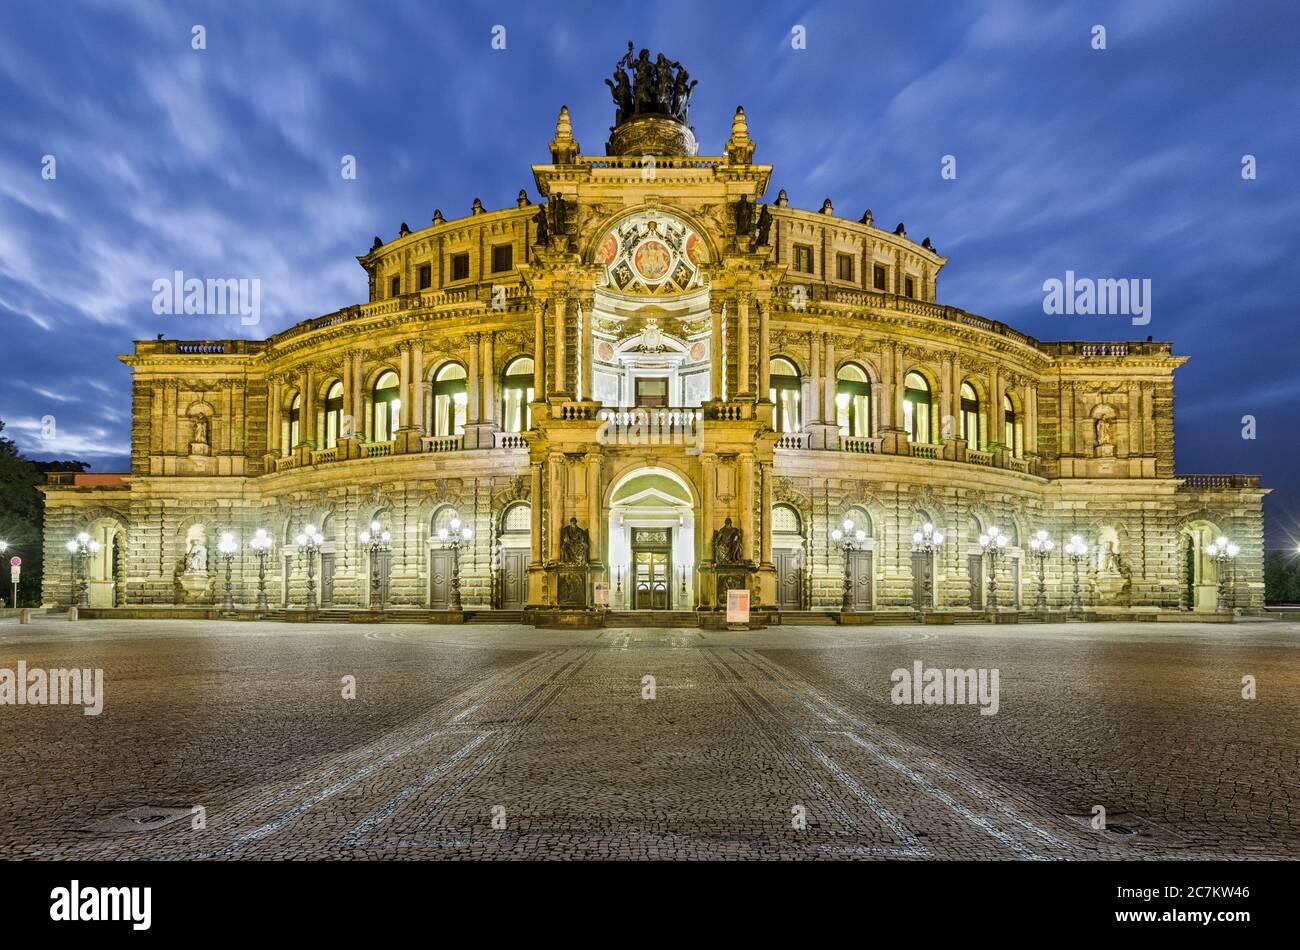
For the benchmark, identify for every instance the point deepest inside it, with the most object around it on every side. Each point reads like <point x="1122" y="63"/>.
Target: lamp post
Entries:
<point x="81" y="547"/>
<point x="457" y="538"/>
<point x="377" y="540"/>
<point x="1223" y="551"/>
<point x="309" y="543"/>
<point x="261" y="544"/>
<point x="848" y="538"/>
<point x="992" y="542"/>
<point x="924" y="543"/>
<point x="1041" y="546"/>
<point x="1077" y="549"/>
<point x="227" y="546"/>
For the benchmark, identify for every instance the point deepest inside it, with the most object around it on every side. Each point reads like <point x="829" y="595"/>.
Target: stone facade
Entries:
<point x="652" y="348"/>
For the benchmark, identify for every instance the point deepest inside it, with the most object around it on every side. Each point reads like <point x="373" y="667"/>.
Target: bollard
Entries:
<point x="72" y="613"/>
<point x="25" y="615"/>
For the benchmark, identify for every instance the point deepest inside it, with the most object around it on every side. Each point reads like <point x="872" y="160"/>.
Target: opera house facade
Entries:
<point x="651" y="387"/>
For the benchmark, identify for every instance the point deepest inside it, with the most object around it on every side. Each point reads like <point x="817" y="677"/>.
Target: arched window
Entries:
<point x="333" y="414"/>
<point x="785" y="393"/>
<point x="442" y="519"/>
<point x="785" y="520"/>
<point x="916" y="408"/>
<point x="853" y="401"/>
<point x="450" y="400"/>
<point x="295" y="423"/>
<point x="387" y="406"/>
<point x="518" y="519"/>
<point x="516" y="393"/>
<point x="1011" y="425"/>
<point x="970" y="416"/>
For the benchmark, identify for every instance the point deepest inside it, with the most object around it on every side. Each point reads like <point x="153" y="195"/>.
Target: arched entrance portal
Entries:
<point x="652" y="541"/>
<point x="106" y="568"/>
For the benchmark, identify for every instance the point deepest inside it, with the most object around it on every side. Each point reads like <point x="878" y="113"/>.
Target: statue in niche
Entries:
<point x="1103" y="431"/>
<point x="575" y="543"/>
<point x="200" y="429"/>
<point x="744" y="216"/>
<point x="728" y="544"/>
<point x="543" y="226"/>
<point x="196" y="557"/>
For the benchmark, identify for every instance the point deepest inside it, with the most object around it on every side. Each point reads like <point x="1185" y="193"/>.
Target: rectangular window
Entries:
<point x="460" y="266"/>
<point x="426" y="276"/>
<point x="909" y="288"/>
<point x="844" y="266"/>
<point x="878" y="277"/>
<point x="503" y="258"/>
<point x="395" y="287"/>
<point x="803" y="258"/>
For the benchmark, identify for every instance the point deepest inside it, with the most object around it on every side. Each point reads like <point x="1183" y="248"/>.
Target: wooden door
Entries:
<point x="789" y="580"/>
<point x="860" y="580"/>
<point x="440" y="567"/>
<point x="514" y="578"/>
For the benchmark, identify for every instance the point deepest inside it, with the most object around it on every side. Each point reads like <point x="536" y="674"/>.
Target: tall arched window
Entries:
<point x="916" y="408"/>
<point x="1011" y="425"/>
<point x="516" y="393"/>
<point x="853" y="401"/>
<point x="333" y="414"/>
<point x="970" y="416"/>
<point x="387" y="406"/>
<point x="295" y="423"/>
<point x="450" y="400"/>
<point x="785" y="393"/>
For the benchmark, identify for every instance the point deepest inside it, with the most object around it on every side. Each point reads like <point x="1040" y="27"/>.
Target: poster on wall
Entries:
<point x="602" y="594"/>
<point x="737" y="606"/>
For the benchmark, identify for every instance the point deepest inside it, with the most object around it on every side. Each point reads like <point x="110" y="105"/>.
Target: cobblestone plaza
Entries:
<point x="507" y="742"/>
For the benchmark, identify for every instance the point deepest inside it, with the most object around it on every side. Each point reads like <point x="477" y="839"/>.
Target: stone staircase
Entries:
<point x="651" y="618"/>
<point x="806" y="618"/>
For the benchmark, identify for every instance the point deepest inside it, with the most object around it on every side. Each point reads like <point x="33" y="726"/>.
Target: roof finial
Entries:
<point x="740" y="147"/>
<point x="564" y="148"/>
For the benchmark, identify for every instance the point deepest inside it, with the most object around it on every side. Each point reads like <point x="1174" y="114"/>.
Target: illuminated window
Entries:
<point x="333" y="414"/>
<point x="916" y="408"/>
<point x="387" y="400"/>
<point x="785" y="392"/>
<point x="450" y="400"/>
<point x="1011" y="435"/>
<point x="516" y="393"/>
<point x="853" y="401"/>
<point x="295" y="423"/>
<point x="970" y="417"/>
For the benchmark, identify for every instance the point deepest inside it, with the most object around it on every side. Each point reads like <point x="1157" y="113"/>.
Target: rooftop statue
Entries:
<point x="656" y="87"/>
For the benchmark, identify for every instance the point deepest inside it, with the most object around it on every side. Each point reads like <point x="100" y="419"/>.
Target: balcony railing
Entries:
<point x="793" y="440"/>
<point x="509" y="440"/>
<point x="861" y="444"/>
<point x="442" y="443"/>
<point x="927" y="450"/>
<point x="976" y="457"/>
<point x="1218" y="482"/>
<point x="371" y="450"/>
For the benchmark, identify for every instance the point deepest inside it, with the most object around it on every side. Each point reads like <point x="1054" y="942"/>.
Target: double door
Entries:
<point x="652" y="582"/>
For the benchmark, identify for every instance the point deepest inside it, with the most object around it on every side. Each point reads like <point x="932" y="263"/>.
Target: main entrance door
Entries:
<point x="789" y="586"/>
<point x="514" y="578"/>
<point x="652" y="582"/>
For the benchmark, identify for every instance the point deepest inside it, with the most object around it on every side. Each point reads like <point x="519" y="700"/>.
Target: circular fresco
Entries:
<point x="608" y="250"/>
<point x="652" y="259"/>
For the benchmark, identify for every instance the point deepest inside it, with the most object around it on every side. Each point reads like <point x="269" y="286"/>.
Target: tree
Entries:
<point x="1281" y="578"/>
<point x="22" y="514"/>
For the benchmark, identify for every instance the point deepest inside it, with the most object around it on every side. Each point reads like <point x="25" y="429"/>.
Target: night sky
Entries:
<point x="225" y="162"/>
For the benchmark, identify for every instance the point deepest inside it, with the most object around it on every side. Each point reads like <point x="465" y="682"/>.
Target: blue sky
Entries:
<point x="224" y="162"/>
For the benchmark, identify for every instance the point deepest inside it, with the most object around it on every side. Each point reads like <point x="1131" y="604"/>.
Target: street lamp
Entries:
<point x="992" y="542"/>
<point x="261" y="544"/>
<point x="848" y="538"/>
<point x="1041" y="546"/>
<point x="1223" y="551"/>
<point x="924" y="543"/>
<point x="309" y="543"/>
<point x="377" y="540"/>
<point x="1077" y="549"/>
<point x="228" y="546"/>
<point x="81" y="547"/>
<point x="457" y="538"/>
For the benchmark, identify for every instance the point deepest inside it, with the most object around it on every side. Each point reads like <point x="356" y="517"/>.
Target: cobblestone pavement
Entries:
<point x="509" y="742"/>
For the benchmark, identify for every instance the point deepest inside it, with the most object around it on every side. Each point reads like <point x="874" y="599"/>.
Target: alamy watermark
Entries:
<point x="633" y="427"/>
<point x="945" y="687"/>
<point x="54" y="687"/>
<point x="1106" y="296"/>
<point x="215" y="296"/>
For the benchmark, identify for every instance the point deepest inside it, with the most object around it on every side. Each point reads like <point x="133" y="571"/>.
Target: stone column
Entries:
<point x="746" y="502"/>
<point x="307" y="406"/>
<point x="488" y="369"/>
<point x="715" y="350"/>
<point x="815" y="381"/>
<point x="764" y="352"/>
<point x="273" y="388"/>
<point x="560" y="356"/>
<point x="535" y="510"/>
<point x="586" y="308"/>
<point x="593" y="507"/>
<point x="404" y="385"/>
<point x="358" y="404"/>
<point x="765" y="506"/>
<point x="539" y="350"/>
<point x="555" y="505"/>
<point x="472" y="380"/>
<point x="744" y="385"/>
<point x="994" y="413"/>
<point x="418" y="390"/>
<point x="828" y="383"/>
